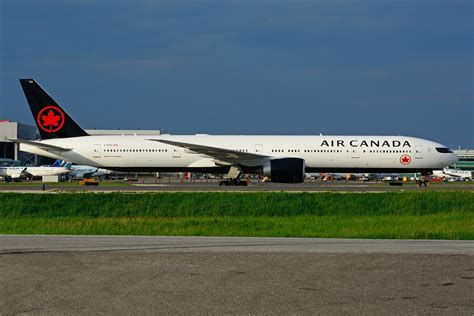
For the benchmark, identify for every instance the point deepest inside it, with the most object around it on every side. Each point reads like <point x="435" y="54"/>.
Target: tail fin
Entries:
<point x="51" y="119"/>
<point x="57" y="163"/>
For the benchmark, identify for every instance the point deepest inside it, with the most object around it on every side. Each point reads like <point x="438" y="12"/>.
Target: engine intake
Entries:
<point x="285" y="170"/>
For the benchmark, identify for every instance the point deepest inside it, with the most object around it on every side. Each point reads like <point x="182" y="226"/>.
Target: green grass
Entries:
<point x="427" y="215"/>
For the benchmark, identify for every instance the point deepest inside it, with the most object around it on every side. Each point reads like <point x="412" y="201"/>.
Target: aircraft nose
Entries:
<point x="454" y="158"/>
<point x="450" y="159"/>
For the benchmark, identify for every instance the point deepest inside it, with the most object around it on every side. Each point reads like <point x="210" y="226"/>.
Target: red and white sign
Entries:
<point x="50" y="119"/>
<point x="405" y="159"/>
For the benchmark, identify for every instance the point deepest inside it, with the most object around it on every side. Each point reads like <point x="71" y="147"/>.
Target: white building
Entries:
<point x="11" y="150"/>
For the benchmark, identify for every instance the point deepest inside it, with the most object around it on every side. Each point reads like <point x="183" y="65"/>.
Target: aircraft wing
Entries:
<point x="221" y="155"/>
<point x="41" y="145"/>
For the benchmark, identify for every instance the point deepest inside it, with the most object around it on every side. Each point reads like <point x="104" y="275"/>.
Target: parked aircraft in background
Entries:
<point x="48" y="170"/>
<point x="353" y="176"/>
<point x="15" y="173"/>
<point x="448" y="173"/>
<point x="281" y="158"/>
<point x="12" y="173"/>
<point x="80" y="171"/>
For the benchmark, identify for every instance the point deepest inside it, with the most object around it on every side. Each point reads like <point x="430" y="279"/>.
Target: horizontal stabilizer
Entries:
<point x="40" y="145"/>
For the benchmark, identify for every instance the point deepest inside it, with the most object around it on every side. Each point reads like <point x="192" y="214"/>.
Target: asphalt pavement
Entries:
<point x="203" y="186"/>
<point x="205" y="275"/>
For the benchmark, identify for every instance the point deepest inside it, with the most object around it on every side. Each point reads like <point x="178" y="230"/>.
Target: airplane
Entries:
<point x="47" y="171"/>
<point x="12" y="173"/>
<point x="448" y="173"/>
<point x="81" y="171"/>
<point x="17" y="172"/>
<point x="283" y="159"/>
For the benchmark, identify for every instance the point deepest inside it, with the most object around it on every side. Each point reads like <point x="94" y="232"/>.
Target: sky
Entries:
<point x="336" y="67"/>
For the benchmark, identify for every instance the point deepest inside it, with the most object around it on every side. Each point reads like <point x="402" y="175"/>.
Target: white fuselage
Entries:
<point x="320" y="153"/>
<point x="283" y="159"/>
<point x="12" y="172"/>
<point x="46" y="171"/>
<point x="80" y="171"/>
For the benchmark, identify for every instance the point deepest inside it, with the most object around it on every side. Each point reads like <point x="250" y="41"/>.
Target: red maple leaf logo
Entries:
<point x="405" y="159"/>
<point x="50" y="119"/>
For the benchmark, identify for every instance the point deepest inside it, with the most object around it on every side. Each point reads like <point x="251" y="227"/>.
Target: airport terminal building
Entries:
<point x="466" y="159"/>
<point x="9" y="150"/>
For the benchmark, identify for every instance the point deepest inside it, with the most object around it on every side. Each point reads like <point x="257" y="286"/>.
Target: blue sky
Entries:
<point x="247" y="67"/>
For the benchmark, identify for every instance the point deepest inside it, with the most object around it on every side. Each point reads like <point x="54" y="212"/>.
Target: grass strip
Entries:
<point x="233" y="204"/>
<point x="427" y="215"/>
<point x="444" y="226"/>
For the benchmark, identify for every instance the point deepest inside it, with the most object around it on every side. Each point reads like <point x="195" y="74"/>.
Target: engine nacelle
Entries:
<point x="285" y="170"/>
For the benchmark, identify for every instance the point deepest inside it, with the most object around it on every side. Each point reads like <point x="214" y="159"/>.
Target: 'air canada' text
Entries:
<point x="365" y="143"/>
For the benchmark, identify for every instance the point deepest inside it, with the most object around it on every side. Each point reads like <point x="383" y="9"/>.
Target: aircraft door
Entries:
<point x="355" y="153"/>
<point x="419" y="151"/>
<point x="176" y="152"/>
<point x="259" y="148"/>
<point x="97" y="151"/>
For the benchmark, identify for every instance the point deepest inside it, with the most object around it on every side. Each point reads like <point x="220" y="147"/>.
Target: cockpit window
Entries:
<point x="443" y="150"/>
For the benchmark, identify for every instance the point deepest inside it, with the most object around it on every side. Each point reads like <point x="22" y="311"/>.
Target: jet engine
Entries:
<point x="285" y="170"/>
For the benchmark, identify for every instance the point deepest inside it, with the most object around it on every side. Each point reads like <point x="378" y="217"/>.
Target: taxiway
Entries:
<point x="201" y="275"/>
<point x="164" y="186"/>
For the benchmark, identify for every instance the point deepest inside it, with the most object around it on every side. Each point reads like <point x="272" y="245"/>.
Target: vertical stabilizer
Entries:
<point x="51" y="119"/>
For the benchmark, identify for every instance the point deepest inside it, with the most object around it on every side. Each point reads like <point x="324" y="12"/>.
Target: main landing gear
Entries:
<point x="232" y="178"/>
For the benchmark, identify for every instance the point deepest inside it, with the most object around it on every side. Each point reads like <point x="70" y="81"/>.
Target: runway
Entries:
<point x="204" y="275"/>
<point x="164" y="186"/>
